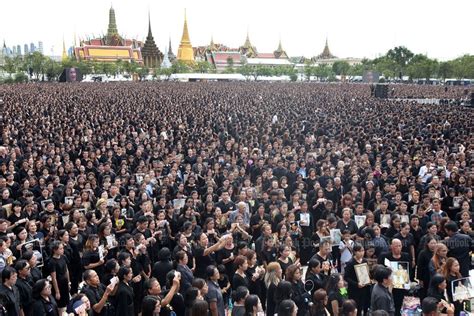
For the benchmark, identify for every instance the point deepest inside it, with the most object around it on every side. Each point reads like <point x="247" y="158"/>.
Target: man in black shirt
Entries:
<point x="9" y="296"/>
<point x="459" y="246"/>
<point x="396" y="254"/>
<point x="96" y="292"/>
<point x="24" y="287"/>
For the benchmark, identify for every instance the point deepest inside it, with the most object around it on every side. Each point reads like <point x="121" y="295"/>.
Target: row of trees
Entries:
<point x="396" y="63"/>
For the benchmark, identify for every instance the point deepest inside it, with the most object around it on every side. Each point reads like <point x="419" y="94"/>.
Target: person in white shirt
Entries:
<point x="345" y="247"/>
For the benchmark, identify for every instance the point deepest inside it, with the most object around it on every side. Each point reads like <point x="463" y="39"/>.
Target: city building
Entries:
<point x="40" y="47"/>
<point x="111" y="47"/>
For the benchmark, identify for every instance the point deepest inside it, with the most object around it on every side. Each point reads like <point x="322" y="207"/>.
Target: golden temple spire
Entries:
<point x="185" y="50"/>
<point x="64" y="56"/>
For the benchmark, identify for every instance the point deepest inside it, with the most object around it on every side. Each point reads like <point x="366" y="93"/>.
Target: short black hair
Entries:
<point x="381" y="273"/>
<point x="7" y="273"/>
<point x="429" y="305"/>
<point x="451" y="226"/>
<point x="210" y="270"/>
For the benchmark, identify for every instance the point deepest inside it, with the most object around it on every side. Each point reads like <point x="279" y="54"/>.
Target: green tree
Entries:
<point x="36" y="62"/>
<point x="445" y="70"/>
<point x="247" y="71"/>
<point x="229" y="69"/>
<point x="323" y="71"/>
<point x="421" y="66"/>
<point x="21" y="77"/>
<point x="167" y="72"/>
<point x="341" y="67"/>
<point x="308" y="70"/>
<point x="180" y="67"/>
<point x="11" y="65"/>
<point x="202" y="67"/>
<point x="386" y="66"/>
<point x="401" y="56"/>
<point x="52" y="69"/>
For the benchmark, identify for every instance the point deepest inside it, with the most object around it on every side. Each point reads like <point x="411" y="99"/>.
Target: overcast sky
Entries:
<point x="363" y="28"/>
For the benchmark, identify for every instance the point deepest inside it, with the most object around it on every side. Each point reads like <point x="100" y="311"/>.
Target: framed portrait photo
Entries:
<point x="362" y="273"/>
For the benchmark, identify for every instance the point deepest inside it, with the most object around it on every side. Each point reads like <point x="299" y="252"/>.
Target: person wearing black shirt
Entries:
<point x="44" y="303"/>
<point x="24" y="286"/>
<point x="240" y="278"/>
<point x="96" y="292"/>
<point x="58" y="270"/>
<point x="124" y="296"/>
<point x="172" y="300"/>
<point x="423" y="272"/>
<point x="204" y="254"/>
<point x="459" y="246"/>
<point x="9" y="295"/>
<point x="359" y="292"/>
<point x="313" y="278"/>
<point x="396" y="254"/>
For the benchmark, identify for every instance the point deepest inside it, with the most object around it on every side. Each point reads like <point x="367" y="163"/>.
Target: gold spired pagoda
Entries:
<point x="326" y="54"/>
<point x="247" y="49"/>
<point x="280" y="52"/>
<point x="152" y="57"/>
<point x="185" y="50"/>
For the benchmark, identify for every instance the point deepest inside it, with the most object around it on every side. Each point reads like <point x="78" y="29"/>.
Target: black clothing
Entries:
<point x="124" y="298"/>
<point x="360" y="295"/>
<point x="202" y="262"/>
<point x="42" y="307"/>
<point x="177" y="304"/>
<point x="423" y="272"/>
<point x="25" y="291"/>
<point x="59" y="266"/>
<point x="459" y="246"/>
<point x="10" y="299"/>
<point x="94" y="294"/>
<point x="238" y="280"/>
<point x="160" y="269"/>
<point x="301" y="298"/>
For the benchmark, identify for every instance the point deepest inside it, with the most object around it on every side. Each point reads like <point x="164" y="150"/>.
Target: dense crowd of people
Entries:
<point x="219" y="199"/>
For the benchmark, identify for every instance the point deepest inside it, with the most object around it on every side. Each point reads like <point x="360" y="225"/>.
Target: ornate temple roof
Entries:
<point x="280" y="52"/>
<point x="247" y="49"/>
<point x="171" y="55"/>
<point x="113" y="38"/>
<point x="326" y="54"/>
<point x="150" y="52"/>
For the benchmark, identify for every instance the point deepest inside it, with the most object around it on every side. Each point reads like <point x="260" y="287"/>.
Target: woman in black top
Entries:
<point x="75" y="242"/>
<point x="254" y="275"/>
<point x="335" y="298"/>
<point x="240" y="278"/>
<point x="124" y="296"/>
<point x="91" y="258"/>
<point x="438" y="287"/>
<point x="284" y="260"/>
<point x="299" y="295"/>
<point x="204" y="255"/>
<point x="360" y="293"/>
<point x="273" y="277"/>
<point x="58" y="270"/>
<point x="423" y="272"/>
<point x="43" y="302"/>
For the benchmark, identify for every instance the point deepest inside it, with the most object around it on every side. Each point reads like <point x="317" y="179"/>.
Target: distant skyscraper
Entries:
<point x="26" y="50"/>
<point x="32" y="48"/>
<point x="40" y="47"/>
<point x="18" y="50"/>
<point x="14" y="51"/>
